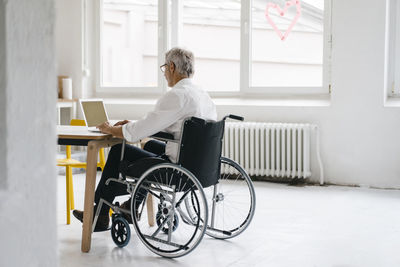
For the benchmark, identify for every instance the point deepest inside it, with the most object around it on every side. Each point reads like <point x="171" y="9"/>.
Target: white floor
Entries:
<point x="293" y="226"/>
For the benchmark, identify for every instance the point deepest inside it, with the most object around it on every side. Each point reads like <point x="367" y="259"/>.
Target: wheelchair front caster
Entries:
<point x="120" y="231"/>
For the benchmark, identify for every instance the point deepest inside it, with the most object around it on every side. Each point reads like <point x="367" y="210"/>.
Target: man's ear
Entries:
<point x="171" y="67"/>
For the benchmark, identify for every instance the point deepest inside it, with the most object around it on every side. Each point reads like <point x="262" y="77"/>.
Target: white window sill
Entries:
<point x="392" y="101"/>
<point x="320" y="101"/>
<point x="301" y="101"/>
<point x="130" y="101"/>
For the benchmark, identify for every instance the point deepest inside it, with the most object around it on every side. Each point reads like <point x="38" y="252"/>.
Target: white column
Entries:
<point x="27" y="134"/>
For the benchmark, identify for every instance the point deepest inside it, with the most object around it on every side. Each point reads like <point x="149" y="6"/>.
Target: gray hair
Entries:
<point x="183" y="60"/>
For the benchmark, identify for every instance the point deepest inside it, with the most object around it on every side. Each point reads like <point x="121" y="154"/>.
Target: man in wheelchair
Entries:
<point x="196" y="190"/>
<point x="185" y="99"/>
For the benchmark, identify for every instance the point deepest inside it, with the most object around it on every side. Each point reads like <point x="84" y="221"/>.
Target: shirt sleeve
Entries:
<point x="167" y="111"/>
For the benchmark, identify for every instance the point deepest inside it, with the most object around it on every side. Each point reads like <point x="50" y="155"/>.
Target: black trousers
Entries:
<point x="108" y="192"/>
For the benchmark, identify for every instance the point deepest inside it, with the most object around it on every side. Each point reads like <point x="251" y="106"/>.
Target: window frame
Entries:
<point x="392" y="47"/>
<point x="169" y="36"/>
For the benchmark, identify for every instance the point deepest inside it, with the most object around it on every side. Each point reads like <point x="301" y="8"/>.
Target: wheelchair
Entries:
<point x="202" y="194"/>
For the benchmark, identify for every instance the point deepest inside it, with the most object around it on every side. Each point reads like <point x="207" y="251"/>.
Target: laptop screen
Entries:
<point x="95" y="113"/>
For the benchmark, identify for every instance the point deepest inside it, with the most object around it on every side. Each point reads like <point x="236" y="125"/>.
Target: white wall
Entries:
<point x="69" y="44"/>
<point x="3" y="73"/>
<point x="27" y="136"/>
<point x="359" y="135"/>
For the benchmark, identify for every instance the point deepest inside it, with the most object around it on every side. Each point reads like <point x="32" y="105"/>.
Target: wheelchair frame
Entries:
<point x="170" y="213"/>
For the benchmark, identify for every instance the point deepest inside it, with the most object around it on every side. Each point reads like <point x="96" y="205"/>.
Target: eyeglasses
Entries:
<point x="163" y="67"/>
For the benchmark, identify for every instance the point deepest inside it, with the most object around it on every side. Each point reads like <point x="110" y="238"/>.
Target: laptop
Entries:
<point x="94" y="113"/>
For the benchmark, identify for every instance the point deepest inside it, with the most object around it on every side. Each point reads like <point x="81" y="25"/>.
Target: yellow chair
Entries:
<point x="70" y="163"/>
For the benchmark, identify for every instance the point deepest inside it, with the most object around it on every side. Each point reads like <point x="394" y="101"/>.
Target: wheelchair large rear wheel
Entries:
<point x="231" y="202"/>
<point x="170" y="185"/>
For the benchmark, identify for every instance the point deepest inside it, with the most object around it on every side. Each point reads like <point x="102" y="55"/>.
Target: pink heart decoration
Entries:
<point x="282" y="13"/>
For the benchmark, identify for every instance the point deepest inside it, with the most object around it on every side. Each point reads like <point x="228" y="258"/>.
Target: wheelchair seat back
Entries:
<point x="200" y="149"/>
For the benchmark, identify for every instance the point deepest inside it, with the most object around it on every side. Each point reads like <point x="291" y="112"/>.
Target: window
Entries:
<point x="289" y="46"/>
<point x="129" y="47"/>
<point x="238" y="44"/>
<point x="393" y="48"/>
<point x="297" y="59"/>
<point x="217" y="59"/>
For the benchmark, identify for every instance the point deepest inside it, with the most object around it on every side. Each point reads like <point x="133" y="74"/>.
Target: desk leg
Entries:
<point x="150" y="210"/>
<point x="92" y="150"/>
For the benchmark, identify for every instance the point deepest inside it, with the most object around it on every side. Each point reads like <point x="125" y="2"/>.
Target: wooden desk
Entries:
<point x="80" y="136"/>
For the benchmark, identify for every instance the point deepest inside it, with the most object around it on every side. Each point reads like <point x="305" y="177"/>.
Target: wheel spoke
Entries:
<point x="173" y="184"/>
<point x="235" y="207"/>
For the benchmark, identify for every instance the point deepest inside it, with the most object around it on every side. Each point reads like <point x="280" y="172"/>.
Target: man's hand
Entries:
<point x="121" y="122"/>
<point x="113" y="130"/>
<point x="105" y="127"/>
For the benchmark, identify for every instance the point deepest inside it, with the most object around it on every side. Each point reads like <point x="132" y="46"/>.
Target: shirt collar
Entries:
<point x="184" y="81"/>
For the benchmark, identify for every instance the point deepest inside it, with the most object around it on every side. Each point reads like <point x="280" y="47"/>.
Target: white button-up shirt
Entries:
<point x="183" y="100"/>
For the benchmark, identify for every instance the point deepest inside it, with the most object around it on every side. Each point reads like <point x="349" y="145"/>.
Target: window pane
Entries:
<point x="129" y="43"/>
<point x="211" y="29"/>
<point x="297" y="60"/>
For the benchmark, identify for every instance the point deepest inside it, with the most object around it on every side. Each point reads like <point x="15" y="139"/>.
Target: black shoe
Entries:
<point x="127" y="206"/>
<point x="102" y="221"/>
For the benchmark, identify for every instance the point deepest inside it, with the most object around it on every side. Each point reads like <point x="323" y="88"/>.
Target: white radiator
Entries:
<point x="271" y="149"/>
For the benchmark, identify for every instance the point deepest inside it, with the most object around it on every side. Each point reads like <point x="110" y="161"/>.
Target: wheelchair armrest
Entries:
<point x="233" y="117"/>
<point x="164" y="136"/>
